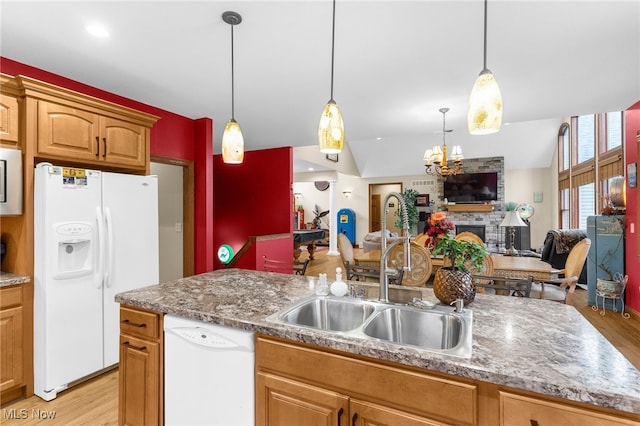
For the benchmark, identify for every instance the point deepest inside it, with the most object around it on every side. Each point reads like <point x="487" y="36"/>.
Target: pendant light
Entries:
<point x="331" y="128"/>
<point x="232" y="140"/>
<point x="485" y="102"/>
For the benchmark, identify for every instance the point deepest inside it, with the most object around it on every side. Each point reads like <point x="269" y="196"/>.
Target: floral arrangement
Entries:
<point x="439" y="225"/>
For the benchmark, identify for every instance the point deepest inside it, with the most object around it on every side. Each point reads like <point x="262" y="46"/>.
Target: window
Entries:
<point x="586" y="138"/>
<point x="614" y="130"/>
<point x="588" y="158"/>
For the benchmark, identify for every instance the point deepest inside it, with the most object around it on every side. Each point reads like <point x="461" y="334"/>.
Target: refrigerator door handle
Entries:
<point x="109" y="222"/>
<point x="100" y="221"/>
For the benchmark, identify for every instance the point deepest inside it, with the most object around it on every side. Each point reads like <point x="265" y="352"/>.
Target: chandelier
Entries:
<point x="435" y="159"/>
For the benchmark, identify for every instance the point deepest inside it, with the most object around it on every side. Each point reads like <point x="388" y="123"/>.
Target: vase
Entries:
<point x="449" y="285"/>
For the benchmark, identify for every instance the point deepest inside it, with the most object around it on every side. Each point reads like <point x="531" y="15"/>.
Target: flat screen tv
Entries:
<point x="471" y="187"/>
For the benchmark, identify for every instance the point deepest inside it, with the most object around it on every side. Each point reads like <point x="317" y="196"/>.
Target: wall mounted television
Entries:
<point x="471" y="187"/>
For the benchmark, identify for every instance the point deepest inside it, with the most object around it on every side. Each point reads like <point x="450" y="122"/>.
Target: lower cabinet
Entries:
<point x="289" y="402"/>
<point x="302" y="384"/>
<point x="140" y="375"/>
<point x="11" y="342"/>
<point x="298" y="385"/>
<point x="518" y="409"/>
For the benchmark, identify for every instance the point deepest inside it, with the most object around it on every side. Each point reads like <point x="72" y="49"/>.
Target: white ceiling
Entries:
<point x="396" y="64"/>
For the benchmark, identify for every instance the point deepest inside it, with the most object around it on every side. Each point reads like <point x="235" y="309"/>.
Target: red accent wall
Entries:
<point x="632" y="256"/>
<point x="172" y="136"/>
<point x="253" y="198"/>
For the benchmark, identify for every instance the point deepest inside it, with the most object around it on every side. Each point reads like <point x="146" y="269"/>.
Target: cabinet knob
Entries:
<point x="534" y="422"/>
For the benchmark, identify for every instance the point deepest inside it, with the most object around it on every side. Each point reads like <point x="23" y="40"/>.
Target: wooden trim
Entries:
<point x="481" y="208"/>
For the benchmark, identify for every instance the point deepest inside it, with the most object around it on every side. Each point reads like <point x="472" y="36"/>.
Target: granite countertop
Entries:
<point x="534" y="345"/>
<point x="8" y="278"/>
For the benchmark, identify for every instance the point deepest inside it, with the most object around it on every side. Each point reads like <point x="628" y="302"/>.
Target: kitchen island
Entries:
<point x="534" y="346"/>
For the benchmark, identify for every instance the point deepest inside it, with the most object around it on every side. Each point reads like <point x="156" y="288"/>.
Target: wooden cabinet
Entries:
<point x="140" y="376"/>
<point x="315" y="387"/>
<point x="523" y="410"/>
<point x="9" y="112"/>
<point x="70" y="132"/>
<point x="71" y="128"/>
<point x="11" y="339"/>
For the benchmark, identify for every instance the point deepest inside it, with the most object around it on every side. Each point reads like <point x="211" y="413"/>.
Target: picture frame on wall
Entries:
<point x="422" y="200"/>
<point x="332" y="157"/>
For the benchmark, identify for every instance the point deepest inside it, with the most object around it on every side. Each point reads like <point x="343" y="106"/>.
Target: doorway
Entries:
<point x="175" y="216"/>
<point x="377" y="193"/>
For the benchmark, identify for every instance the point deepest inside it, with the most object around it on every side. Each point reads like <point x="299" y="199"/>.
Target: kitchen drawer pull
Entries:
<point x="340" y="411"/>
<point x="133" y="324"/>
<point x="97" y="146"/>
<point x="534" y="422"/>
<point x="135" y="348"/>
<point x="353" y="419"/>
<point x="104" y="145"/>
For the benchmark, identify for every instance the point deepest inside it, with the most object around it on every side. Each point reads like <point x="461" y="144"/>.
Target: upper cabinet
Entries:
<point x="65" y="131"/>
<point x="9" y="124"/>
<point x="70" y="127"/>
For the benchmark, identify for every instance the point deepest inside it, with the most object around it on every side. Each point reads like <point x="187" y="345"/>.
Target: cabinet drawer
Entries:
<point x="11" y="296"/>
<point x="518" y="410"/>
<point x="140" y="323"/>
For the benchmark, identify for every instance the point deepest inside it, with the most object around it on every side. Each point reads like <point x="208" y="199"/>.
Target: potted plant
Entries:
<point x="455" y="281"/>
<point x="409" y="196"/>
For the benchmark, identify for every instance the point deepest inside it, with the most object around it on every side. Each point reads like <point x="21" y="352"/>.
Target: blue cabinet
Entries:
<point x="606" y="253"/>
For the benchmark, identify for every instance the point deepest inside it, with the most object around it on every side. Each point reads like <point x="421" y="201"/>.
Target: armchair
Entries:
<point x="561" y="290"/>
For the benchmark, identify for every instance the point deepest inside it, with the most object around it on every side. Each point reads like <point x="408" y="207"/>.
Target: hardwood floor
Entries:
<point x="96" y="401"/>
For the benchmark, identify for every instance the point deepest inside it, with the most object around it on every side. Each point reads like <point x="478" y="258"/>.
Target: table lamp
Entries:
<point x="511" y="220"/>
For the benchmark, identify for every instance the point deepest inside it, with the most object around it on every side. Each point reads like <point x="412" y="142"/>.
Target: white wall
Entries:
<point x="520" y="186"/>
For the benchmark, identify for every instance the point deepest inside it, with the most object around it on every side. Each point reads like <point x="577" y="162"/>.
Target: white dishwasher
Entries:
<point x="208" y="374"/>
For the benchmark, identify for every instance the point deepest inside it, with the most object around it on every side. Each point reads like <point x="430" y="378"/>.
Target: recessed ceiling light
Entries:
<point x="97" y="30"/>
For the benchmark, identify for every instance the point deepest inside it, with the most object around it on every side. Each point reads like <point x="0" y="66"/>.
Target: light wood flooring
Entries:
<point x="96" y="401"/>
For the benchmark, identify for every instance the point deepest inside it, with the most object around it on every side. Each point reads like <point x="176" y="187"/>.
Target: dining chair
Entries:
<point x="354" y="271"/>
<point x="469" y="236"/>
<point x="562" y="289"/>
<point x="421" y="239"/>
<point x="421" y="266"/>
<point x="518" y="287"/>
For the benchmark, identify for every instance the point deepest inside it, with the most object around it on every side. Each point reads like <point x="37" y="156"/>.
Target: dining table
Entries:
<point x="503" y="266"/>
<point x="523" y="267"/>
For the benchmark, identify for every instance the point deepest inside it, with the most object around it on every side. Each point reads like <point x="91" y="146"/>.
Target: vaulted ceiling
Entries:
<point x="396" y="64"/>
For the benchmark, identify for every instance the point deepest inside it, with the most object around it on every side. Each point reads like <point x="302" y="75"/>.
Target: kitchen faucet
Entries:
<point x="384" y="250"/>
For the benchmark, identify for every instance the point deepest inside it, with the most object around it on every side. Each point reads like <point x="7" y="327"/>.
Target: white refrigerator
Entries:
<point x="95" y="235"/>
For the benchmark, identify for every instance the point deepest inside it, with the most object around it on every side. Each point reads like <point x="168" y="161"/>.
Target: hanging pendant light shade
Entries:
<point x="485" y="102"/>
<point x="232" y="140"/>
<point x="331" y="127"/>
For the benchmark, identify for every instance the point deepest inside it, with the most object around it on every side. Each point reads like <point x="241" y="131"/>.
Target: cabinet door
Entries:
<point x="67" y="132"/>
<point x="139" y="376"/>
<point x="369" y="414"/>
<point x="11" y="348"/>
<point x="286" y="402"/>
<point x="123" y="143"/>
<point x="9" y="126"/>
<point x="526" y="411"/>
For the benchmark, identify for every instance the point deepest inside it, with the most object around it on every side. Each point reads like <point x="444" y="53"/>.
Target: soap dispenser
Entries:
<point x="339" y="288"/>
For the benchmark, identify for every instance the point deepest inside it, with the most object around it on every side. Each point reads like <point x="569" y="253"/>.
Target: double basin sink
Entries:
<point x="437" y="330"/>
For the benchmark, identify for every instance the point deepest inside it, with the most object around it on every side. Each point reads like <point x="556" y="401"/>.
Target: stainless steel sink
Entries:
<point x="424" y="329"/>
<point x="332" y="314"/>
<point x="437" y="330"/>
